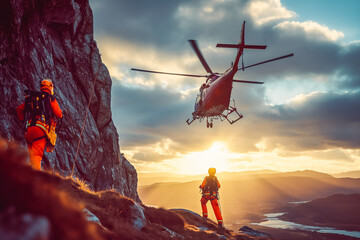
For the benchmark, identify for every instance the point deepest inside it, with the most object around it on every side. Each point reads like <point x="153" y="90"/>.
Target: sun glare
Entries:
<point x="216" y="156"/>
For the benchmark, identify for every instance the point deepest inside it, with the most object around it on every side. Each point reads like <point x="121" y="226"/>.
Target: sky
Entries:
<point x="305" y="116"/>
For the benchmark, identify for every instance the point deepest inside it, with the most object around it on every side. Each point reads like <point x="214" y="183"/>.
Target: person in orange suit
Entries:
<point x="209" y="188"/>
<point x="35" y="136"/>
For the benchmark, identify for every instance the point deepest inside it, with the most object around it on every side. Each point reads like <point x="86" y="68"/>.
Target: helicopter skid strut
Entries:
<point x="230" y="111"/>
<point x="189" y="122"/>
<point x="209" y="124"/>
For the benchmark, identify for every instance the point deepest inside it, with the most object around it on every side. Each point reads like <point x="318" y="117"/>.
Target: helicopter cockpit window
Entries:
<point x="198" y="99"/>
<point x="213" y="79"/>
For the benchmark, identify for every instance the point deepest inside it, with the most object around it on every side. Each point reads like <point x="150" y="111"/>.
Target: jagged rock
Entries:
<point x="54" y="39"/>
<point x="91" y="217"/>
<point x="23" y="226"/>
<point x="138" y="216"/>
<point x="172" y="234"/>
<point x="252" y="232"/>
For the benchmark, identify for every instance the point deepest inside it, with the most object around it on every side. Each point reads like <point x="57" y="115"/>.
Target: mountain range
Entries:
<point x="244" y="197"/>
<point x="351" y="174"/>
<point x="339" y="211"/>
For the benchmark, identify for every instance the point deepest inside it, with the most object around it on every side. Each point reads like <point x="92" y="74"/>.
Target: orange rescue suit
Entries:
<point x="35" y="136"/>
<point x="214" y="202"/>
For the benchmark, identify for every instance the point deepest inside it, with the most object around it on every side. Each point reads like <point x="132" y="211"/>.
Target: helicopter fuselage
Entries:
<point x="214" y="96"/>
<point x="213" y="100"/>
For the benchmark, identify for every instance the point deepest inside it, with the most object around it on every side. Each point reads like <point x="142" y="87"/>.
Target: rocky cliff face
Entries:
<point x="54" y="39"/>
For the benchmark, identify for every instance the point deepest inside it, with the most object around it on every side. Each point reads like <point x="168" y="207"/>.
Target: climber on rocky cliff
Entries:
<point x="210" y="187"/>
<point x="40" y="112"/>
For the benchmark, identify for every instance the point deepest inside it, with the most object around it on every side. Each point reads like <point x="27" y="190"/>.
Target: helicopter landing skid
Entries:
<point x="189" y="122"/>
<point x="230" y="111"/>
<point x="209" y="124"/>
<point x="195" y="117"/>
<point x="222" y="117"/>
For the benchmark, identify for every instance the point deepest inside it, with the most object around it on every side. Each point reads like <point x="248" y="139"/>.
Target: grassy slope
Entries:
<point x="62" y="201"/>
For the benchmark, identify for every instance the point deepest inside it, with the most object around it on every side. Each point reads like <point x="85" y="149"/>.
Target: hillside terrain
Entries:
<point x="41" y="205"/>
<point x="148" y="178"/>
<point x="351" y="174"/>
<point x="339" y="211"/>
<point x="245" y="197"/>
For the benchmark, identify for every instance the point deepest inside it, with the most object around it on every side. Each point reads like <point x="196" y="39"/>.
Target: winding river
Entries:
<point x="272" y="220"/>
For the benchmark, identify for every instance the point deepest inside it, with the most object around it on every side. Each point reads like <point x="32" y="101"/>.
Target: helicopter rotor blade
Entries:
<point x="243" y="81"/>
<point x="194" y="45"/>
<point x="176" y="74"/>
<point x="242" y="61"/>
<point x="274" y="59"/>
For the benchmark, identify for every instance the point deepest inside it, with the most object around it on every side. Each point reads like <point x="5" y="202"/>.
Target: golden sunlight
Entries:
<point x="217" y="156"/>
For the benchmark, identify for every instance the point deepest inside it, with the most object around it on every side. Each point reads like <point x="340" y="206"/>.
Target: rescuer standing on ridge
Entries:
<point x="210" y="187"/>
<point x="39" y="113"/>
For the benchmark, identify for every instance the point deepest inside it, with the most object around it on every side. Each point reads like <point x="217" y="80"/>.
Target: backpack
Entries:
<point x="211" y="185"/>
<point x="37" y="108"/>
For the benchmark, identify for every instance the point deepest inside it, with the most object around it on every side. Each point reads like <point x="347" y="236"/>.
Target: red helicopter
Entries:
<point x="213" y="100"/>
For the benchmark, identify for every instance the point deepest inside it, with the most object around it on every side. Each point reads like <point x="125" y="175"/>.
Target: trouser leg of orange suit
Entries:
<point x="36" y="148"/>
<point x="216" y="208"/>
<point x="203" y="206"/>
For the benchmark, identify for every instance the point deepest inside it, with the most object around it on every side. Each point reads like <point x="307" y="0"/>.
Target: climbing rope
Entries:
<point x="83" y="126"/>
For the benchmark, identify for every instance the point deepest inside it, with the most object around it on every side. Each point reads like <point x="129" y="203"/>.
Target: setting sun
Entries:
<point x="216" y="156"/>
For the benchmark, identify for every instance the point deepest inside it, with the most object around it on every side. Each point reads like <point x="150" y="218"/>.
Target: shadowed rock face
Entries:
<point x="54" y="39"/>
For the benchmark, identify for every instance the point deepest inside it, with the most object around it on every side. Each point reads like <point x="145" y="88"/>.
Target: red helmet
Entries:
<point x="46" y="85"/>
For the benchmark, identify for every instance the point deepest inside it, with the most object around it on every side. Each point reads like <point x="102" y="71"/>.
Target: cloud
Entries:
<point x="155" y="152"/>
<point x="310" y="29"/>
<point x="148" y="108"/>
<point x="137" y="21"/>
<point x="308" y="122"/>
<point x="265" y="11"/>
<point x="332" y="154"/>
<point x="120" y="56"/>
<point x="316" y="121"/>
<point x="317" y="89"/>
<point x="349" y="68"/>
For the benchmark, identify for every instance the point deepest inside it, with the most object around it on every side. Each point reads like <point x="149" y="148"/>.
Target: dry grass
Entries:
<point x="62" y="201"/>
<point x="166" y="218"/>
<point x="31" y="191"/>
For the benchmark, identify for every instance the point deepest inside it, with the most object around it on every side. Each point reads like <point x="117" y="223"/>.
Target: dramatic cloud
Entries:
<point x="307" y="109"/>
<point x="315" y="121"/>
<point x="265" y="11"/>
<point x="311" y="30"/>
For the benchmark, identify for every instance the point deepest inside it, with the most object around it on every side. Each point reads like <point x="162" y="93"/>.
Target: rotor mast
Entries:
<point x="240" y="46"/>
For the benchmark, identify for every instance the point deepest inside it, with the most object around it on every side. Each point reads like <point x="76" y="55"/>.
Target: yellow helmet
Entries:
<point x="212" y="171"/>
<point x="46" y="85"/>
